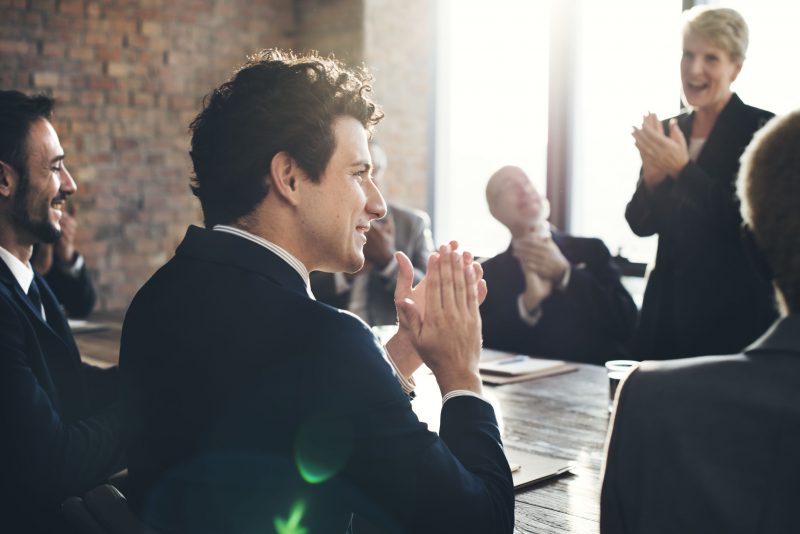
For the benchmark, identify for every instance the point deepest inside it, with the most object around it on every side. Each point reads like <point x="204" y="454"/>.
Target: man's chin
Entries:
<point x="355" y="267"/>
<point x="46" y="232"/>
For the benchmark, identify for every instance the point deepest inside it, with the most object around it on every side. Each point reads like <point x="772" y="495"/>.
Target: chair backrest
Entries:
<point x="103" y="510"/>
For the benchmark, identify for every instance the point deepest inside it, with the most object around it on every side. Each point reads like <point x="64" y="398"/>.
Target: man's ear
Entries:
<point x="8" y="180"/>
<point x="286" y="174"/>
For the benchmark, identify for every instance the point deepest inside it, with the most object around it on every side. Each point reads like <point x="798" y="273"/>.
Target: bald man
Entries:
<point x="550" y="294"/>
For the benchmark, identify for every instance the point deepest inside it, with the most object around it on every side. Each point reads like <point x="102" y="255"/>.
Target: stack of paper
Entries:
<point x="504" y="368"/>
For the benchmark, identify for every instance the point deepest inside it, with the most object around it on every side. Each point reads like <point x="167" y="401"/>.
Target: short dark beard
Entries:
<point x="42" y="231"/>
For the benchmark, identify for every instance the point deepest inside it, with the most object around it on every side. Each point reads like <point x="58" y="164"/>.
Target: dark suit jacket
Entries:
<point x="257" y="400"/>
<point x="75" y="293"/>
<point x="709" y="444"/>
<point x="412" y="236"/>
<point x="62" y="434"/>
<point x="703" y="296"/>
<point x="589" y="322"/>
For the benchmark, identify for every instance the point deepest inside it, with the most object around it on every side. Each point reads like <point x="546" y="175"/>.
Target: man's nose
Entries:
<point x="376" y="205"/>
<point x="68" y="184"/>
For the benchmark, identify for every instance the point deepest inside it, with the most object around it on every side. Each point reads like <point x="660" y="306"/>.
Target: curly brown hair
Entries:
<point x="277" y="101"/>
<point x="769" y="190"/>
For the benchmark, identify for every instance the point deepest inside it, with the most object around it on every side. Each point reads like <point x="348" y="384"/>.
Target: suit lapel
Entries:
<point x="56" y="321"/>
<point x="51" y="345"/>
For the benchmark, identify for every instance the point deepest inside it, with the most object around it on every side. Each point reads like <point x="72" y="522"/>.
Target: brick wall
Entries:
<point x="128" y="76"/>
<point x="331" y="26"/>
<point x="399" y="48"/>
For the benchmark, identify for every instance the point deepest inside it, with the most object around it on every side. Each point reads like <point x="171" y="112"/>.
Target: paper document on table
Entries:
<point x="78" y="326"/>
<point x="498" y="367"/>
<point x="528" y="468"/>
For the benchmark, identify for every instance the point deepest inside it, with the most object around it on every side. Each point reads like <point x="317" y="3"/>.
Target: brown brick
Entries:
<point x="151" y="28"/>
<point x="94" y="10"/>
<point x="108" y="53"/>
<point x="92" y="98"/>
<point x="117" y="69"/>
<point x="81" y="53"/>
<point x="74" y="7"/>
<point x="54" y="50"/>
<point x="14" y="47"/>
<point x="45" y="79"/>
<point x="100" y="82"/>
<point x="120" y="25"/>
<point x="47" y="6"/>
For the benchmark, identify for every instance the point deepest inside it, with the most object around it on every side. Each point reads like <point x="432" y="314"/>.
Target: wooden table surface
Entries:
<point x="563" y="416"/>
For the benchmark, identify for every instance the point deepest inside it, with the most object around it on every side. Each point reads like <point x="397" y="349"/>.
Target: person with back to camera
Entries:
<point x="703" y="296"/>
<point x="709" y="444"/>
<point x="263" y="407"/>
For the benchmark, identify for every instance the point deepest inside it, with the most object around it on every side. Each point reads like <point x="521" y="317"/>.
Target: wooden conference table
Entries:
<point x="563" y="416"/>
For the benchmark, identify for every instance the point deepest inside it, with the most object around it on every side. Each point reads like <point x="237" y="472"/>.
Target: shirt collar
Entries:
<point x="282" y="253"/>
<point x="22" y="272"/>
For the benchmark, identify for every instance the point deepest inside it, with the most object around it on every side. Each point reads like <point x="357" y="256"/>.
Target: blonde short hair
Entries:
<point x="723" y="26"/>
<point x="769" y="190"/>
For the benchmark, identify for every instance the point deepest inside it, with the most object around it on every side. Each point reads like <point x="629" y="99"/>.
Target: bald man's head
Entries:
<point x="514" y="201"/>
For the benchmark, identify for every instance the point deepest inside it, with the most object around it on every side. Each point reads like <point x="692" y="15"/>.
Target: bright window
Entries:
<point x="627" y="63"/>
<point x="769" y="79"/>
<point x="491" y="110"/>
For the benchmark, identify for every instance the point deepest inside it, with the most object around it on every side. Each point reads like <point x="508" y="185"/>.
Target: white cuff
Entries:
<point x="408" y="383"/>
<point x="461" y="393"/>
<point x="529" y="317"/>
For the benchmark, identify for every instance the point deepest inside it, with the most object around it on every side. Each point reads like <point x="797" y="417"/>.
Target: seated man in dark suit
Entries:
<point x="61" y="427"/>
<point x="709" y="444"/>
<point x="262" y="407"/>
<point x="369" y="293"/>
<point x="551" y="294"/>
<point x="65" y="269"/>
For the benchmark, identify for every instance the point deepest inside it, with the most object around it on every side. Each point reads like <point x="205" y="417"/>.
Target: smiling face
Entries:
<point x="337" y="211"/>
<point x="43" y="187"/>
<point x="514" y="201"/>
<point x="707" y="73"/>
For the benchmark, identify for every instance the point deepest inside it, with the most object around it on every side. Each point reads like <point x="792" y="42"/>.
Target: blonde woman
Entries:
<point x="702" y="297"/>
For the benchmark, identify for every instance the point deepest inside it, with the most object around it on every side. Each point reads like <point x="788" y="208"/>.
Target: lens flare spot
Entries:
<point x="322" y="448"/>
<point x="291" y="525"/>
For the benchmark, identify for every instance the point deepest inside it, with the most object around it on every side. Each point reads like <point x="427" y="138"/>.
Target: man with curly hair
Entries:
<point x="265" y="410"/>
<point x="709" y="444"/>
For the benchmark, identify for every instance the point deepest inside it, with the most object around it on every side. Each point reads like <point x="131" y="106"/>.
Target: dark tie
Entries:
<point x="35" y="298"/>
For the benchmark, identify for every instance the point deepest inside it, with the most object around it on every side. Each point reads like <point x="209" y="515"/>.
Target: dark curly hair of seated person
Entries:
<point x="278" y="101"/>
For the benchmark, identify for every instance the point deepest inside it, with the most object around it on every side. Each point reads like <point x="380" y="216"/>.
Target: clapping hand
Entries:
<point x="541" y="256"/>
<point x="401" y="347"/>
<point x="442" y="320"/>
<point x="661" y="155"/>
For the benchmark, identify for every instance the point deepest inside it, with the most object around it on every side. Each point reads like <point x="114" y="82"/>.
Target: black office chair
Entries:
<point x="103" y="510"/>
